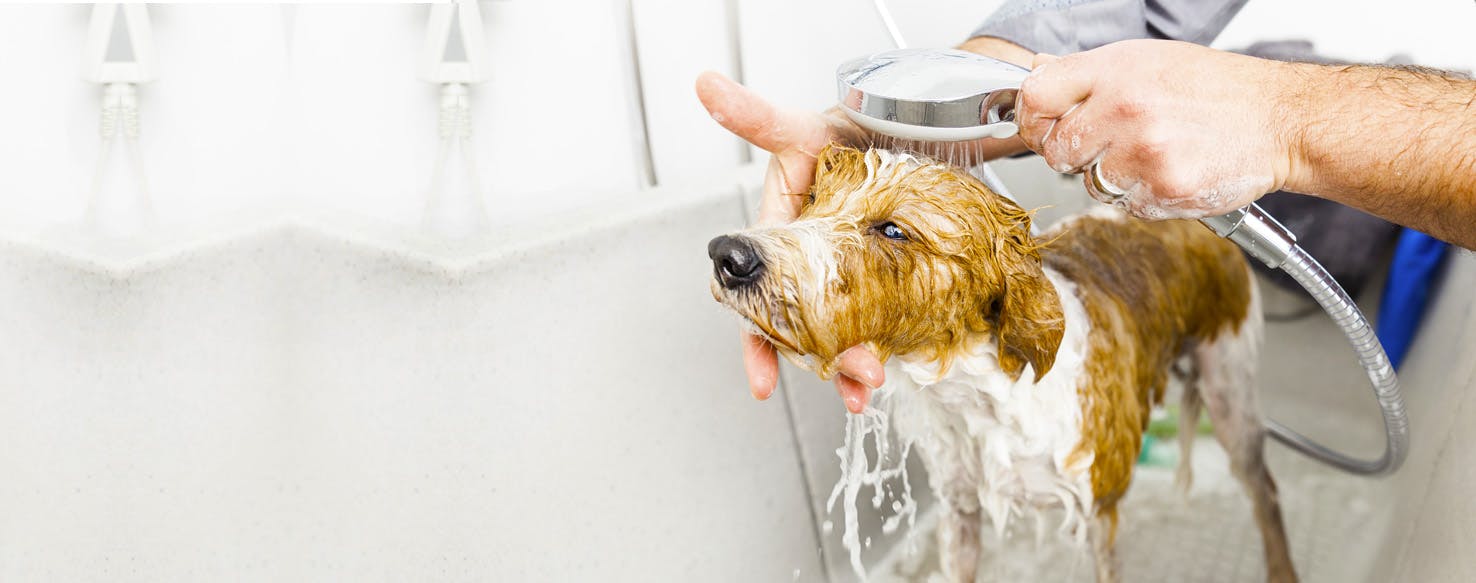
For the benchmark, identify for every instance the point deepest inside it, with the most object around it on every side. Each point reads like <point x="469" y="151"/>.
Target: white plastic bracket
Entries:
<point x="469" y="61"/>
<point x="119" y="202"/>
<point x="97" y="65"/>
<point x="454" y="57"/>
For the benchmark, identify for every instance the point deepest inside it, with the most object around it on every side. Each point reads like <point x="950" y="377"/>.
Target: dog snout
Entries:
<point x="734" y="261"/>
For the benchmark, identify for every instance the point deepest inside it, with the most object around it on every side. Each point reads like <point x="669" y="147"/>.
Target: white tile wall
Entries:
<point x="49" y="144"/>
<point x="679" y="39"/>
<point x="319" y="106"/>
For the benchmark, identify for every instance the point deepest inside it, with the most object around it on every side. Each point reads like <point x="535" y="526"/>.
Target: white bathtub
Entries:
<point x="308" y="399"/>
<point x="322" y="398"/>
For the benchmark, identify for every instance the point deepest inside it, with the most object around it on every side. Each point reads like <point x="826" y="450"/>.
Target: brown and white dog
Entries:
<point x="1024" y="368"/>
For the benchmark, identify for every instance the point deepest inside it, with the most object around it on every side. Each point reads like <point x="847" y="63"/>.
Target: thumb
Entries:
<point x="1043" y="58"/>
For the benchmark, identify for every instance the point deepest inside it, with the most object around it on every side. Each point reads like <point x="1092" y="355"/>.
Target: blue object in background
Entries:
<point x="1417" y="259"/>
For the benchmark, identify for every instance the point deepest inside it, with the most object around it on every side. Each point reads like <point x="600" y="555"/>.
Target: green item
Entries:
<point x="1158" y="441"/>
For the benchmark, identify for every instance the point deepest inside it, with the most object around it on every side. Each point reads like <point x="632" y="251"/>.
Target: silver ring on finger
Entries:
<point x="1100" y="184"/>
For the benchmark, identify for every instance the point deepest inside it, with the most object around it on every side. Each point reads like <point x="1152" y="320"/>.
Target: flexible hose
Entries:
<point x="1310" y="274"/>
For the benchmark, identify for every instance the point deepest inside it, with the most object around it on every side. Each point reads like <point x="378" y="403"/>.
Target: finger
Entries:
<point x="762" y="365"/>
<point x="784" y="193"/>
<point x="854" y="394"/>
<point x="1075" y="140"/>
<point x="861" y="365"/>
<point x="1051" y="89"/>
<point x="753" y="118"/>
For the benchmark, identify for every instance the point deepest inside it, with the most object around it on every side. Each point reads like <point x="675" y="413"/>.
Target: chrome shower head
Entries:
<point x="940" y="95"/>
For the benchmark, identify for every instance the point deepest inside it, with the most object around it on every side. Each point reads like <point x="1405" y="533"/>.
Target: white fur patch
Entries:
<point x="1007" y="442"/>
<point x="822" y="256"/>
<point x="885" y="168"/>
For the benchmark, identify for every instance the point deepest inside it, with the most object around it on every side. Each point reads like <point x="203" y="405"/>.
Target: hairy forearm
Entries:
<point x="1396" y="142"/>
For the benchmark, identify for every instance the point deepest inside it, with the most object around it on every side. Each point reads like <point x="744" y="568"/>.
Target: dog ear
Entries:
<point x="1029" y="319"/>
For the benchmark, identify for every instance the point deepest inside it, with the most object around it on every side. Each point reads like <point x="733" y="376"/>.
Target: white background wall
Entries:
<point x="319" y="106"/>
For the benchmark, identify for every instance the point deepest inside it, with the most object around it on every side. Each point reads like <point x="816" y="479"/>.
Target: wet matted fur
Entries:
<point x="1023" y="367"/>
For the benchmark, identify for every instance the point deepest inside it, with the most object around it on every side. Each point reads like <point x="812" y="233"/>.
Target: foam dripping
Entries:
<point x="858" y="471"/>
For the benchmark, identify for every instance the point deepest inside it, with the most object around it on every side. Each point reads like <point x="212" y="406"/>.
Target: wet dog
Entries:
<point x="1023" y="368"/>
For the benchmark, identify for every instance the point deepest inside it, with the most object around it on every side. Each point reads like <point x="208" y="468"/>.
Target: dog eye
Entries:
<point x="891" y="231"/>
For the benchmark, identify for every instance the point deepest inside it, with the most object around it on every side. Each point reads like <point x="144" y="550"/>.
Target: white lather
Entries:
<point x="1010" y="441"/>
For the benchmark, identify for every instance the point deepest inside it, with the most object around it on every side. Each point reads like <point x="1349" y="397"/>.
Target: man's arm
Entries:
<point x="1185" y="131"/>
<point x="1399" y="143"/>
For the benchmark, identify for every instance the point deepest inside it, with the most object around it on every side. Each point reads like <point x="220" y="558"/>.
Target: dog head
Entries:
<point x="903" y="254"/>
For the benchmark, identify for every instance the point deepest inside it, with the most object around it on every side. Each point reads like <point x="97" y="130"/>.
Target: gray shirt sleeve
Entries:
<point x="1067" y="26"/>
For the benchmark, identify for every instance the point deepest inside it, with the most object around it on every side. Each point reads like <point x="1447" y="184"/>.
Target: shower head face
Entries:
<point x="939" y="95"/>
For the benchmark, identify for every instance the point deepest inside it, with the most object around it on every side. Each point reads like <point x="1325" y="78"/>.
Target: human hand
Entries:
<point x="794" y="140"/>
<point x="1183" y="130"/>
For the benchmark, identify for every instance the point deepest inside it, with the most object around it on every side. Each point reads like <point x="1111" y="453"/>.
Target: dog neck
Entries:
<point x="1032" y="427"/>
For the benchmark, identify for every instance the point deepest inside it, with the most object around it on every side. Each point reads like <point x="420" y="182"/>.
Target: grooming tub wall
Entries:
<point x="307" y="400"/>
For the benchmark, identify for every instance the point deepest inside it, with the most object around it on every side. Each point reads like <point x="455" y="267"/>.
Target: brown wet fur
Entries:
<point x="927" y="295"/>
<point x="1152" y="291"/>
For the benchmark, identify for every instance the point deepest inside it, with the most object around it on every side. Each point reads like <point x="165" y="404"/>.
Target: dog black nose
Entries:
<point x="734" y="261"/>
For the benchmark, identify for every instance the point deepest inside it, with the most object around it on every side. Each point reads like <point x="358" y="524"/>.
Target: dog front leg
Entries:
<point x="958" y="545"/>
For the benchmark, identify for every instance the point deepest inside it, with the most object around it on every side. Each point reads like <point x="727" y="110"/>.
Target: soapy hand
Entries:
<point x="794" y="140"/>
<point x="1183" y="130"/>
